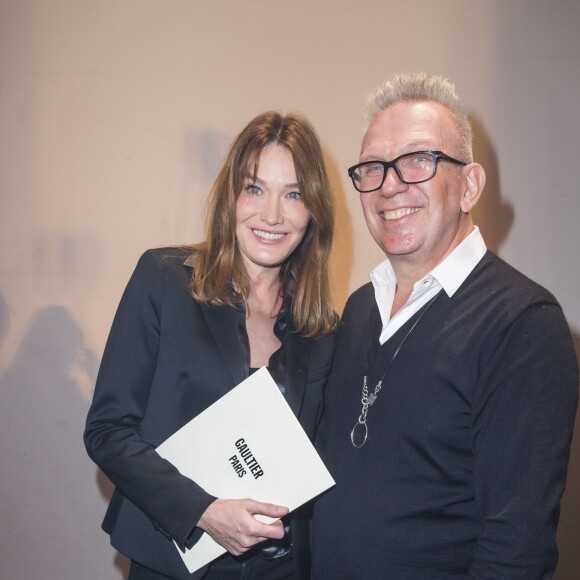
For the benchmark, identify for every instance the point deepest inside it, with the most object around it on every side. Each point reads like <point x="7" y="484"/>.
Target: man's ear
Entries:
<point x="474" y="184"/>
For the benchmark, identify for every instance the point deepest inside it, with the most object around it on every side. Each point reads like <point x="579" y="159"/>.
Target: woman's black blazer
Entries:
<point x="167" y="359"/>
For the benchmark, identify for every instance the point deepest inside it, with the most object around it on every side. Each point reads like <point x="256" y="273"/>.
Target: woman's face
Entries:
<point x="271" y="218"/>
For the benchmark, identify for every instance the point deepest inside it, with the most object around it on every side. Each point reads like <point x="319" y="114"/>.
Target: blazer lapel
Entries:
<point x="223" y="324"/>
<point x="297" y="363"/>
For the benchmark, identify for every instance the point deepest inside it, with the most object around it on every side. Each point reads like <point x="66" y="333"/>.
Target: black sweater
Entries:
<point x="466" y="458"/>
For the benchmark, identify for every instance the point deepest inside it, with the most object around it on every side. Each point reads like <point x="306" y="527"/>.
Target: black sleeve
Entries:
<point x="522" y="429"/>
<point x="113" y="435"/>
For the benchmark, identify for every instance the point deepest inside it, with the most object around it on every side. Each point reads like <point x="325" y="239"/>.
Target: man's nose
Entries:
<point x="392" y="184"/>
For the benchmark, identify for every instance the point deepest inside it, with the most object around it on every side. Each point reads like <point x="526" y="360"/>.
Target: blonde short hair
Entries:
<point x="423" y="87"/>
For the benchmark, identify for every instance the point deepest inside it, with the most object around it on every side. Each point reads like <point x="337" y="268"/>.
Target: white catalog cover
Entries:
<point x="247" y="444"/>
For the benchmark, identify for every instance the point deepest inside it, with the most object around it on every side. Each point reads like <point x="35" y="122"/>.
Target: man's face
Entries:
<point x="418" y="224"/>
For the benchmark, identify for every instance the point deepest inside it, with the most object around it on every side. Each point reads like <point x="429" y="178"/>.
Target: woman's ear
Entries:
<point x="474" y="184"/>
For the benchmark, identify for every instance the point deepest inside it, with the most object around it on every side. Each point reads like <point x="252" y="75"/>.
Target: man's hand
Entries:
<point x="231" y="523"/>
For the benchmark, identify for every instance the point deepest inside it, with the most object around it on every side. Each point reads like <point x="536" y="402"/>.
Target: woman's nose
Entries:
<point x="272" y="210"/>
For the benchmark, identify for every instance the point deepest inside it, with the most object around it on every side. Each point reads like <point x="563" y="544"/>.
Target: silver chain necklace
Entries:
<point x="367" y="399"/>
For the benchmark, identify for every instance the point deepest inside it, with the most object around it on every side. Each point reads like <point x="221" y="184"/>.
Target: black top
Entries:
<point x="277" y="362"/>
<point x="468" y="442"/>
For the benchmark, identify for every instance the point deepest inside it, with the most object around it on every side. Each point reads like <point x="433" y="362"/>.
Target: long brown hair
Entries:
<point x="219" y="276"/>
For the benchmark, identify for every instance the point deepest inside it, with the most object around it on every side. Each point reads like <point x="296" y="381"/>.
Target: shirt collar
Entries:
<point x="450" y="273"/>
<point x="457" y="266"/>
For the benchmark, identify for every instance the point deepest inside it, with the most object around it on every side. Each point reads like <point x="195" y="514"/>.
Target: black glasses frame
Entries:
<point x="437" y="156"/>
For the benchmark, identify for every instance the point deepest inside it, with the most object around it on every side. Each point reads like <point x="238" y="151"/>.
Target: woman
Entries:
<point x="192" y="324"/>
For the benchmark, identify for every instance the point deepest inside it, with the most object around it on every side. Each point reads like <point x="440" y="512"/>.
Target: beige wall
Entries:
<point x="114" y="117"/>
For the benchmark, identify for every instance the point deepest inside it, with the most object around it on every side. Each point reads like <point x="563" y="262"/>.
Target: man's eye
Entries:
<point x="371" y="168"/>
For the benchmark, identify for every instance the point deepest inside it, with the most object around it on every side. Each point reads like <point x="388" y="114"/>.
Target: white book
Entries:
<point x="247" y="444"/>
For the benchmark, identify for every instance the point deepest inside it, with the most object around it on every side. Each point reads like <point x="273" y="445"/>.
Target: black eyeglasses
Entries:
<point x="410" y="168"/>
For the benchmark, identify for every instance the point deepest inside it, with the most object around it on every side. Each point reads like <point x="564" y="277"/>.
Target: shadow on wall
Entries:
<point x="203" y="153"/>
<point x="47" y="487"/>
<point x="569" y="528"/>
<point x="4" y="319"/>
<point x="492" y="214"/>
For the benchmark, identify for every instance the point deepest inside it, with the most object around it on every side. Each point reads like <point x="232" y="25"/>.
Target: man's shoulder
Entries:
<point x="498" y="279"/>
<point x="362" y="296"/>
<point x="493" y="282"/>
<point x="360" y="304"/>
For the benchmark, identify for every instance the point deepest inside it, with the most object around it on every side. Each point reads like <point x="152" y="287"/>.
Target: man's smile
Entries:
<point x="394" y="214"/>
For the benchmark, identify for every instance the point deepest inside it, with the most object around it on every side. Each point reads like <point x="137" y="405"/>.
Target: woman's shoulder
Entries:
<point x="160" y="268"/>
<point x="167" y="254"/>
<point x="155" y="260"/>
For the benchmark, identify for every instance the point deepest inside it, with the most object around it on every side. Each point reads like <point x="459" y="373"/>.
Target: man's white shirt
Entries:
<point x="448" y="275"/>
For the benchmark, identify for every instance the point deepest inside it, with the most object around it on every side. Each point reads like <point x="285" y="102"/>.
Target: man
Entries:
<point x="450" y="405"/>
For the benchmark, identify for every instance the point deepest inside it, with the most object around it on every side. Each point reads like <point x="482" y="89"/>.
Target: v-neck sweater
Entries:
<point x="468" y="440"/>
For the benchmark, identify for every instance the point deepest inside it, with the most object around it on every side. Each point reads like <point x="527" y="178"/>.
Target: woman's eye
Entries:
<point x="294" y="195"/>
<point x="253" y="189"/>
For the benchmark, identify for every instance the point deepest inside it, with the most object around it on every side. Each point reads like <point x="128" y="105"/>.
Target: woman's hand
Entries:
<point x="231" y="523"/>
